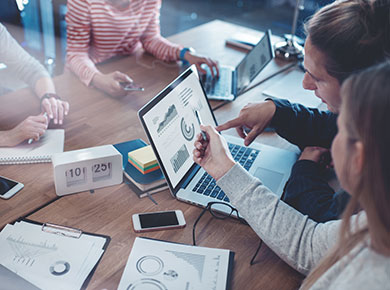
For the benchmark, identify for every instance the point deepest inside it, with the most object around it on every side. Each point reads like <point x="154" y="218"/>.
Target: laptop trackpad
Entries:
<point x="271" y="179"/>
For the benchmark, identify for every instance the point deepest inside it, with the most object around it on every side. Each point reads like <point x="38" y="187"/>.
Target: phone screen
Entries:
<point x="160" y="219"/>
<point x="6" y="185"/>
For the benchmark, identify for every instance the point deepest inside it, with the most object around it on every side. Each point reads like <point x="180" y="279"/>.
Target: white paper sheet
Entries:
<point x="163" y="265"/>
<point x="47" y="260"/>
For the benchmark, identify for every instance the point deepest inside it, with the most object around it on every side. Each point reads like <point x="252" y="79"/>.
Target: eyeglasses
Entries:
<point x="222" y="210"/>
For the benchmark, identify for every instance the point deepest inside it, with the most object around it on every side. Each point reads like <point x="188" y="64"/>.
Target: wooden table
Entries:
<point x="96" y="119"/>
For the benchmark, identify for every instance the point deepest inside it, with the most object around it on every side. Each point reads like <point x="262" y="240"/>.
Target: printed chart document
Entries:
<point x="47" y="260"/>
<point x="154" y="264"/>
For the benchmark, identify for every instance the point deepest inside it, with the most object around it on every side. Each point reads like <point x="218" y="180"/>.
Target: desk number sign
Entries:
<point x="87" y="169"/>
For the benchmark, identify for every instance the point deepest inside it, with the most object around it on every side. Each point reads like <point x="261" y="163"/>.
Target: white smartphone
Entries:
<point x="162" y="220"/>
<point x="8" y="187"/>
<point x="127" y="86"/>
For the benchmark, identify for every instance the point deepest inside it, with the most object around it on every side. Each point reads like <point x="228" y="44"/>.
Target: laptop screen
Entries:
<point x="254" y="62"/>
<point x="171" y="125"/>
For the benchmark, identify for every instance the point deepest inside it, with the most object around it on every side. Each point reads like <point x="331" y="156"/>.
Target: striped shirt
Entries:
<point x="97" y="31"/>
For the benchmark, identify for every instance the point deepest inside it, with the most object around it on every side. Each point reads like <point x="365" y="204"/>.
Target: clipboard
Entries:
<point x="70" y="233"/>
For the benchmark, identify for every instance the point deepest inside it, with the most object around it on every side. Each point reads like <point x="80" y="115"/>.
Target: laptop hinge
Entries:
<point x="234" y="83"/>
<point x="190" y="176"/>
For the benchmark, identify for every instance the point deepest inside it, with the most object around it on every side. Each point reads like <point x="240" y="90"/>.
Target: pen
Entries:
<point x="197" y="115"/>
<point x="31" y="139"/>
<point x="151" y="198"/>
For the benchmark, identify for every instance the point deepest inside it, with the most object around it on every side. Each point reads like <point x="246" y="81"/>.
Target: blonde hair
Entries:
<point x="366" y="108"/>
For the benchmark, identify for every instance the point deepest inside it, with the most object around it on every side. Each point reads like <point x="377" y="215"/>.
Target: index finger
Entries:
<point x="211" y="66"/>
<point x="47" y="107"/>
<point x="230" y="124"/>
<point x="215" y="65"/>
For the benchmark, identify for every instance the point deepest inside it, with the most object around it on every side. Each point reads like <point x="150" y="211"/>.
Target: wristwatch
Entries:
<point x="50" y="95"/>
<point x="183" y="52"/>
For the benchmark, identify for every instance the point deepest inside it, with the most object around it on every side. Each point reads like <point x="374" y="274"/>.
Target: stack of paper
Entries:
<point x="143" y="159"/>
<point x="47" y="260"/>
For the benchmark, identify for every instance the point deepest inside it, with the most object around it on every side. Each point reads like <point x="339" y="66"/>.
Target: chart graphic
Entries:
<point x="179" y="158"/>
<point x="195" y="260"/>
<point x="187" y="131"/>
<point x="168" y="117"/>
<point x="150" y="265"/>
<point x="185" y="96"/>
<point x="170" y="275"/>
<point x="147" y="283"/>
<point x="26" y="252"/>
<point x="59" y="268"/>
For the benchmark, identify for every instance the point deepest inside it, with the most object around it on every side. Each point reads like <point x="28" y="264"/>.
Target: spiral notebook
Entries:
<point x="37" y="152"/>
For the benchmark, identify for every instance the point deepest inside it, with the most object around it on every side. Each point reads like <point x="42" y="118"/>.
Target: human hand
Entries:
<point x="110" y="83"/>
<point x="317" y="154"/>
<point x="56" y="109"/>
<point x="213" y="155"/>
<point x="32" y="127"/>
<point x="254" y="116"/>
<point x="199" y="60"/>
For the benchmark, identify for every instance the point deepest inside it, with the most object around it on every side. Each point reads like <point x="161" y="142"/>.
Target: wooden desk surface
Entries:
<point x="96" y="119"/>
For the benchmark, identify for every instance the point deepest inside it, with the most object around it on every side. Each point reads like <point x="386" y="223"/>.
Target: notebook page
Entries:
<point x="38" y="151"/>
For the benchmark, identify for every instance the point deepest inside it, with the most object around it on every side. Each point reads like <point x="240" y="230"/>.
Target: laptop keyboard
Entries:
<point x="217" y="86"/>
<point x="207" y="185"/>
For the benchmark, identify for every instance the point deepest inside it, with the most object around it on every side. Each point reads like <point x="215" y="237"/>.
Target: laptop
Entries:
<point x="233" y="81"/>
<point x="171" y="126"/>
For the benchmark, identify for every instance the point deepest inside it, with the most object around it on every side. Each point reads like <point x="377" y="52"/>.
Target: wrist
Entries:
<point x="7" y="138"/>
<point x="271" y="106"/>
<point x="48" y="96"/>
<point x="96" y="79"/>
<point x="223" y="168"/>
<point x="183" y="55"/>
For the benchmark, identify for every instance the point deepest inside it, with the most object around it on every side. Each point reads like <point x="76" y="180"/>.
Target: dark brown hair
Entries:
<point x="365" y="107"/>
<point x="352" y="34"/>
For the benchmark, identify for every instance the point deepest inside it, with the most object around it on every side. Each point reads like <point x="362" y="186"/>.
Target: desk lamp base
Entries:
<point x="289" y="50"/>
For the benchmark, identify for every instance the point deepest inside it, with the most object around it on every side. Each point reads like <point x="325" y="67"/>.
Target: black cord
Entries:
<point x="257" y="251"/>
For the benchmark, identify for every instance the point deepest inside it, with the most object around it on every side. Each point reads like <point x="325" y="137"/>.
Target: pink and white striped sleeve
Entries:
<point x="152" y="40"/>
<point x="78" y="40"/>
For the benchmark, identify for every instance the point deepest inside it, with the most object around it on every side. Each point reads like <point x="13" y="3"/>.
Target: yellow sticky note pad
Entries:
<point x="144" y="157"/>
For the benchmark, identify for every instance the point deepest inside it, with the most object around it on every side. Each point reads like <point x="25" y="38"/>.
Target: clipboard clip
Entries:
<point x="61" y="230"/>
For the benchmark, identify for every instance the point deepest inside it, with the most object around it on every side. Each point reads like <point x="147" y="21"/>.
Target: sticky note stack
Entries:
<point x="143" y="159"/>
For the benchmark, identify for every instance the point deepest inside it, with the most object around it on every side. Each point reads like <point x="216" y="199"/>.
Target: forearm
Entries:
<point x="43" y="86"/>
<point x="154" y="43"/>
<point x="5" y="139"/>
<point x="20" y="64"/>
<point x="83" y="67"/>
<point x="162" y="49"/>
<point x="304" y="126"/>
<point x="308" y="191"/>
<point x="298" y="240"/>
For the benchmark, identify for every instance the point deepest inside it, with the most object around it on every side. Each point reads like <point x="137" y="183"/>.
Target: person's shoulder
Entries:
<point x="375" y="268"/>
<point x="368" y="270"/>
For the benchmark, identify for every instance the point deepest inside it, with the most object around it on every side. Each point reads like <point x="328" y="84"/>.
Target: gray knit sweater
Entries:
<point x="301" y="242"/>
<point x="20" y="65"/>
